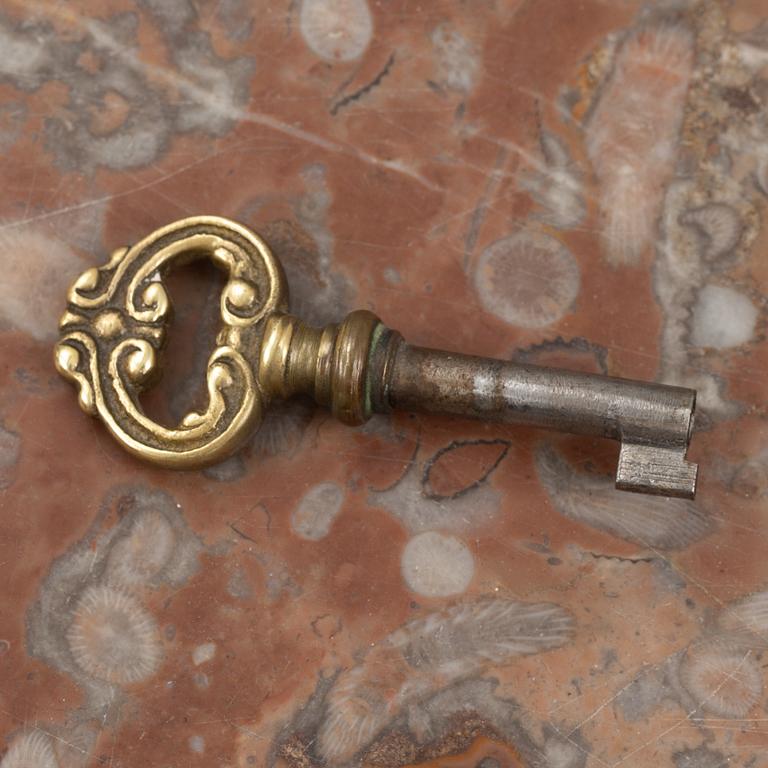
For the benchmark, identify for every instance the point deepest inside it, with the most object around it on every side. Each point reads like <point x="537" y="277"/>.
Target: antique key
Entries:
<point x="114" y="328"/>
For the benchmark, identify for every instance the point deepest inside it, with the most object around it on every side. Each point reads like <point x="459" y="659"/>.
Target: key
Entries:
<point x="114" y="328"/>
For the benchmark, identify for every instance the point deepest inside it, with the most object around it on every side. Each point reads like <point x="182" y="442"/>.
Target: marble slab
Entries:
<point x="571" y="183"/>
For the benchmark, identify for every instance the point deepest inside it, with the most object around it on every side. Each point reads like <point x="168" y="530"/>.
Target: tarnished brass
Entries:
<point x="114" y="328"/>
<point x="330" y="364"/>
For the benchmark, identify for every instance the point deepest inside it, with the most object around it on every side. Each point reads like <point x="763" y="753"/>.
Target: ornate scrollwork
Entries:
<point x="114" y="329"/>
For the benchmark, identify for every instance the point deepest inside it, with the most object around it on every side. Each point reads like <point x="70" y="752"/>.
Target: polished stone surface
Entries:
<point x="570" y="183"/>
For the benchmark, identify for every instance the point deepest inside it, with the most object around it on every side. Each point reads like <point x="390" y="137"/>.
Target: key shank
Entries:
<point x="653" y="422"/>
<point x="360" y="367"/>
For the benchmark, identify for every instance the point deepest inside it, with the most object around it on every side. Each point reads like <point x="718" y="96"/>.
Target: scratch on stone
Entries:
<point x="223" y="106"/>
<point x="107" y="198"/>
<point x="478" y="216"/>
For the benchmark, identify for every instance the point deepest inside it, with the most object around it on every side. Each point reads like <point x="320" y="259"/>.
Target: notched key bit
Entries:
<point x="114" y="329"/>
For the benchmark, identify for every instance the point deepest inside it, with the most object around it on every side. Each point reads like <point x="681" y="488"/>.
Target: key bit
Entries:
<point x="115" y="326"/>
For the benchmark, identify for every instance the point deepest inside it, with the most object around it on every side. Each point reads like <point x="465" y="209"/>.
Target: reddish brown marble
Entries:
<point x="381" y="175"/>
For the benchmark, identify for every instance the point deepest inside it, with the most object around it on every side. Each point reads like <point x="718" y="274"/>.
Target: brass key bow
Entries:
<point x="114" y="329"/>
